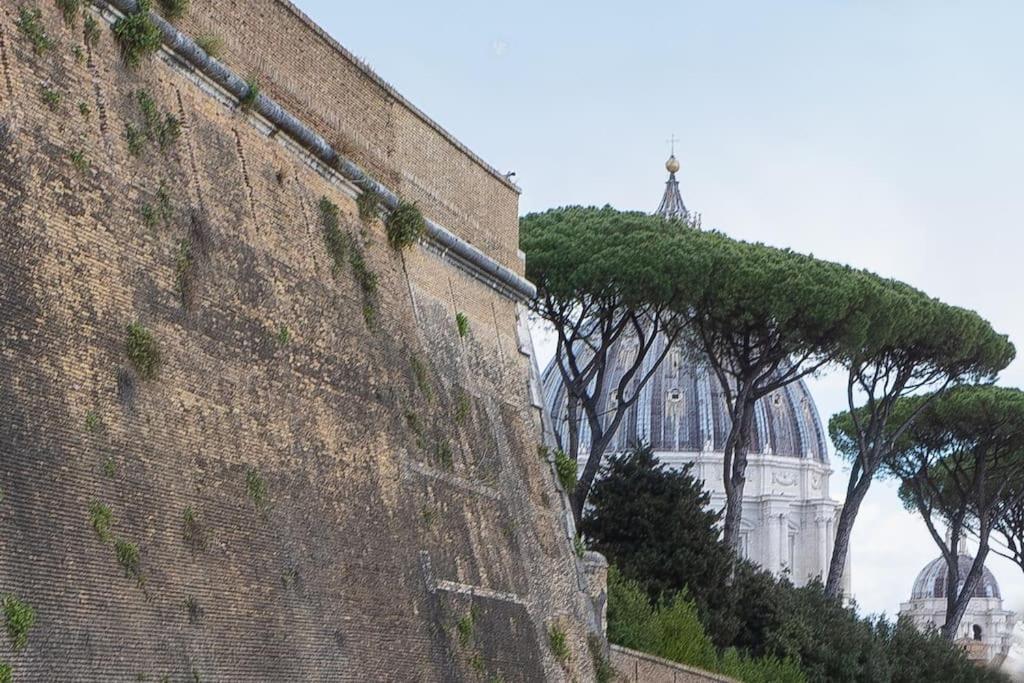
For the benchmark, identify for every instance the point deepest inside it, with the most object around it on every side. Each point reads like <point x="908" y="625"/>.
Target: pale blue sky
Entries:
<point x="888" y="135"/>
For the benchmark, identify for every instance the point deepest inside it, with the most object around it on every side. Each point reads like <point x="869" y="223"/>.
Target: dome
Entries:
<point x="931" y="582"/>
<point x="682" y="408"/>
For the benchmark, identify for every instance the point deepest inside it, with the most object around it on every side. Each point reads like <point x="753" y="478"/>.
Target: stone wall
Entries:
<point x="638" y="667"/>
<point x="323" y="482"/>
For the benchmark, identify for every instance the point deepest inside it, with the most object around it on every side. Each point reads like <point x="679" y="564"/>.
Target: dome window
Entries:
<point x="977" y="632"/>
<point x="675" y="395"/>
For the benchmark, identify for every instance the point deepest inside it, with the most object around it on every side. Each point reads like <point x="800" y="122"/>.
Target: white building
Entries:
<point x="789" y="519"/>
<point x="986" y="631"/>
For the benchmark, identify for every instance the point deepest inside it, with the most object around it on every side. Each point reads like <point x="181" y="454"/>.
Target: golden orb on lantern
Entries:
<point x="672" y="164"/>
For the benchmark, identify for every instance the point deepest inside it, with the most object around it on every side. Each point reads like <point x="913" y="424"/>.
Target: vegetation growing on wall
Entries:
<point x="136" y="34"/>
<point x="566" y="469"/>
<point x="142" y="351"/>
<point x="256" y="488"/>
<point x="211" y="44"/>
<point x="192" y="531"/>
<point x="462" y="322"/>
<point x="369" y="201"/>
<point x="173" y="9"/>
<point x="252" y="93"/>
<point x="558" y="642"/>
<point x="161" y="128"/>
<point x="69" y="9"/>
<point x="20" y="617"/>
<point x="128" y="557"/>
<point x="6" y="675"/>
<point x="91" y="31"/>
<point x="341" y="247"/>
<point x="51" y="98"/>
<point x="405" y="225"/>
<point x="30" y="23"/>
<point x="101" y="519"/>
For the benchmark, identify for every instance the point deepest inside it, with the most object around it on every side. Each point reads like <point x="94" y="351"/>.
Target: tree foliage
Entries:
<point x="658" y="596"/>
<point x="603" y="276"/>
<point x="960" y="464"/>
<point x="914" y="343"/>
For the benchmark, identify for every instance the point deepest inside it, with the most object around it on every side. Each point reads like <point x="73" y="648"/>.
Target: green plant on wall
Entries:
<point x="136" y="34"/>
<point x="443" y="453"/>
<point x="79" y="161"/>
<point x="578" y="547"/>
<point x="161" y="128"/>
<point x="462" y="322"/>
<point x="20" y="617"/>
<point x="462" y="406"/>
<point x="369" y="201"/>
<point x="30" y="23"/>
<point x="405" y="225"/>
<point x="341" y="247"/>
<point x="192" y="531"/>
<point x="93" y="422"/>
<point x="465" y="626"/>
<point x="335" y="240"/>
<point x="142" y="351"/>
<point x="566" y="469"/>
<point x="101" y="519"/>
<point x="256" y="488"/>
<point x="92" y="31"/>
<point x="110" y="467"/>
<point x="51" y="98"/>
<point x="252" y="93"/>
<point x="128" y="557"/>
<point x="173" y="9"/>
<point x="558" y="642"/>
<point x="211" y="44"/>
<point x="6" y="676"/>
<point x="283" y="335"/>
<point x="69" y="9"/>
<point x="195" y="612"/>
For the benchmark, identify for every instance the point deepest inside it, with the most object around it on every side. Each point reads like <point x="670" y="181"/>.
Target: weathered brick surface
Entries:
<point x="301" y="67"/>
<point x="360" y="563"/>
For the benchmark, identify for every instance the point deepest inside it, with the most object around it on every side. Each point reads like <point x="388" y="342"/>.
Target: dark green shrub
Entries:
<point x="173" y="9"/>
<point x="30" y="22"/>
<point x="142" y="351"/>
<point x="137" y="35"/>
<point x="558" y="642"/>
<point x="20" y="618"/>
<point x="252" y="93"/>
<point x="566" y="469"/>
<point x="405" y="225"/>
<point x="462" y="322"/>
<point x="92" y="30"/>
<point x="101" y="519"/>
<point x="69" y="9"/>
<point x="128" y="557"/>
<point x="211" y="44"/>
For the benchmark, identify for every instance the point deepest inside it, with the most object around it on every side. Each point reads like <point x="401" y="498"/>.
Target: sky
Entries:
<point x="884" y="134"/>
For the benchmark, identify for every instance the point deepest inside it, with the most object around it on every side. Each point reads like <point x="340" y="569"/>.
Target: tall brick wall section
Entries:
<point x="404" y="494"/>
<point x="300" y="66"/>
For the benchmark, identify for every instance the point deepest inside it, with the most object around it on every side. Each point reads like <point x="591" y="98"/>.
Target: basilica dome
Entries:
<point x="931" y="582"/>
<point x="682" y="407"/>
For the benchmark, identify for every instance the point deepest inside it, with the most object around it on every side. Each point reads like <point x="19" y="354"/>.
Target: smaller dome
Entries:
<point x="931" y="582"/>
<point x="672" y="165"/>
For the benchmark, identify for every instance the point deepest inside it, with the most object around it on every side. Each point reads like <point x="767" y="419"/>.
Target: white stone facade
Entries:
<point x="789" y="520"/>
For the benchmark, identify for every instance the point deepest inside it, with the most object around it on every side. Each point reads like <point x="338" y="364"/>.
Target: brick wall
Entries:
<point x="639" y="667"/>
<point x="403" y="488"/>
<point x="303" y="68"/>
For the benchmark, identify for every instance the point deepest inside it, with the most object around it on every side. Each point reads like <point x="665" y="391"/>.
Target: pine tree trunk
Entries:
<point x="735" y="478"/>
<point x="844" y="530"/>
